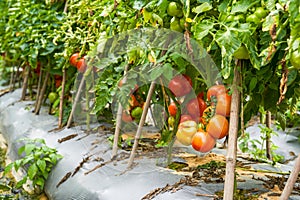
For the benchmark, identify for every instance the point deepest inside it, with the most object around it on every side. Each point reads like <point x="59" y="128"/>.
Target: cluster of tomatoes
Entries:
<point x="78" y="62"/>
<point x="201" y="122"/>
<point x="177" y="22"/>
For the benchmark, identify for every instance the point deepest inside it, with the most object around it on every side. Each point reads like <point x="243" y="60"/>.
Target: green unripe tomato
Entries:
<point x="260" y="12"/>
<point x="239" y="18"/>
<point x="230" y="18"/>
<point x="171" y="121"/>
<point x="137" y="112"/>
<point x="241" y="53"/>
<point x="175" y="25"/>
<point x="295" y="59"/>
<point x="174" y="9"/>
<point x="253" y="19"/>
<point x="52" y="97"/>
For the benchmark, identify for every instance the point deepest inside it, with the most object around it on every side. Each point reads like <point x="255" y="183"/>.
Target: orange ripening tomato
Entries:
<point x="218" y="126"/>
<point x="81" y="65"/>
<point x="195" y="107"/>
<point x="215" y="91"/>
<point x="207" y="114"/>
<point x="203" y="142"/>
<point x="172" y="109"/>
<point x="223" y="104"/>
<point x="74" y="59"/>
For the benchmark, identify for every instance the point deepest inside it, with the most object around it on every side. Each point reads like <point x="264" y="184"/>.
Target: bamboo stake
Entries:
<point x="233" y="131"/>
<point x="25" y="82"/>
<point x="38" y="90"/>
<point x="291" y="180"/>
<point x="140" y="127"/>
<point x="61" y="100"/>
<point x="118" y="122"/>
<point x="268" y="136"/>
<point x="75" y="101"/>
<point x="11" y="82"/>
<point x="41" y="96"/>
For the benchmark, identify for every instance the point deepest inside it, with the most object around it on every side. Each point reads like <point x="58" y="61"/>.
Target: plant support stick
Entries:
<point x="291" y="181"/>
<point x="140" y="127"/>
<point x="233" y="131"/>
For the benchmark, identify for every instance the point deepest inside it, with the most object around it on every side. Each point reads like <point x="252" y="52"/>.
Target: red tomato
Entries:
<point x="184" y="118"/>
<point x="215" y="91"/>
<point x="81" y="65"/>
<point x="218" y="126"/>
<point x="37" y="70"/>
<point x="57" y="83"/>
<point x="223" y="104"/>
<point x="195" y="107"/>
<point x="180" y="85"/>
<point x="126" y="117"/>
<point x="172" y="109"/>
<point x="200" y="95"/>
<point x="203" y="142"/>
<point x="74" y="59"/>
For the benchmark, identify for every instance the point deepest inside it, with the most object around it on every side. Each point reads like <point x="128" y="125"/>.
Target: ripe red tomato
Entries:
<point x="200" y="95"/>
<point x="37" y="70"/>
<point x="195" y="107"/>
<point x="203" y="142"/>
<point x="215" y="91"/>
<point x="58" y="83"/>
<point x="180" y="85"/>
<point x="223" y="104"/>
<point x="218" y="126"/>
<point x="184" y="118"/>
<point x="74" y="59"/>
<point x="126" y="117"/>
<point x="172" y="109"/>
<point x="81" y="65"/>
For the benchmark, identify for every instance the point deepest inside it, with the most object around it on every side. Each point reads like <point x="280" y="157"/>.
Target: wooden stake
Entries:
<point x="233" y="131"/>
<point x="291" y="180"/>
<point x="61" y="100"/>
<point x="38" y="90"/>
<point x="118" y="122"/>
<point x="141" y="124"/>
<point x="11" y="82"/>
<point x="41" y="96"/>
<point x="268" y="136"/>
<point x="75" y="101"/>
<point x="25" y="82"/>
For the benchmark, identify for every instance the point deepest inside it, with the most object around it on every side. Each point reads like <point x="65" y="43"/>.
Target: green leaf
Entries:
<point x="21" y="182"/>
<point x="4" y="187"/>
<point x="253" y="83"/>
<point x="41" y="165"/>
<point x="29" y="148"/>
<point x="202" y="8"/>
<point x="202" y="29"/>
<point x="159" y="70"/>
<point x="32" y="171"/>
<point x="281" y="119"/>
<point x="8" y="168"/>
<point x="40" y="181"/>
<point x="242" y="6"/>
<point x="21" y="150"/>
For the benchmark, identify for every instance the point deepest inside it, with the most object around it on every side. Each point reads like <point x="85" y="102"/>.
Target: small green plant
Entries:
<point x="38" y="160"/>
<point x="257" y="147"/>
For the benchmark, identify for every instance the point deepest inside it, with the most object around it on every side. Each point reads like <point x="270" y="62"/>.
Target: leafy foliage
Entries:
<point x="38" y="160"/>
